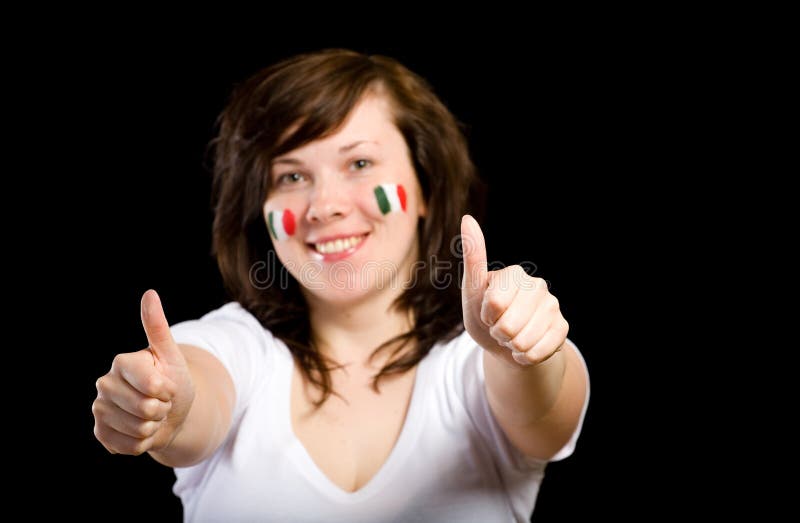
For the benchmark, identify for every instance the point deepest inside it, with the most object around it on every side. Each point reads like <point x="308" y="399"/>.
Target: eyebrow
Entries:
<point x="345" y="148"/>
<point x="342" y="149"/>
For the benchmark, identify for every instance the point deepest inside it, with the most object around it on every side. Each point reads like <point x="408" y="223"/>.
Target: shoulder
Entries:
<point x="229" y="326"/>
<point x="232" y="311"/>
<point x="238" y="340"/>
<point x="232" y="315"/>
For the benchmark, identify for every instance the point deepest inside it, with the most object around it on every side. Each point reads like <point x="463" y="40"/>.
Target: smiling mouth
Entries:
<point x="339" y="245"/>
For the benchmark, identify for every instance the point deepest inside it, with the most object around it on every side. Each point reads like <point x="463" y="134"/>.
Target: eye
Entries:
<point x="361" y="164"/>
<point x="289" y="178"/>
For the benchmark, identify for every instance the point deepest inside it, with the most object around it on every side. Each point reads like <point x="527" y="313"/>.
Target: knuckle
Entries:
<point x="100" y="432"/>
<point x="518" y="272"/>
<point x="489" y="314"/>
<point x="97" y="409"/>
<point x="146" y="429"/>
<point x="526" y="281"/>
<point x="148" y="408"/>
<point x="553" y="303"/>
<point x="153" y="384"/>
<point x="140" y="447"/>
<point x="119" y="360"/>
<point x="145" y="355"/>
<point x="505" y="326"/>
<point x="486" y="319"/>
<point x="500" y="331"/>
<point x="509" y="323"/>
<point x="493" y="302"/>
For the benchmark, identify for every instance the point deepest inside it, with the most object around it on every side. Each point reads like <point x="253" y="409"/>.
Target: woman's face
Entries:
<point x="343" y="210"/>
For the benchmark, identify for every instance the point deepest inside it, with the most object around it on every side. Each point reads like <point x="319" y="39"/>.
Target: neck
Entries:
<point x="350" y="333"/>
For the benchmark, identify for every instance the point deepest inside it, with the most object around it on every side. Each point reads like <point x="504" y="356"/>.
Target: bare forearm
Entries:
<point x="523" y="395"/>
<point x="538" y="407"/>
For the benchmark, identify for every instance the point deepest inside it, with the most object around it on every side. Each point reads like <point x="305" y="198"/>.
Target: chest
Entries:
<point x="350" y="438"/>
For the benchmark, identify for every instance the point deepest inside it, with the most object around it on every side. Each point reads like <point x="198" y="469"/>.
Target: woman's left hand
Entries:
<point x="509" y="313"/>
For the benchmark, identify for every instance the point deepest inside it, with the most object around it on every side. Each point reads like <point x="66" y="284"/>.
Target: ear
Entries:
<point x="423" y="205"/>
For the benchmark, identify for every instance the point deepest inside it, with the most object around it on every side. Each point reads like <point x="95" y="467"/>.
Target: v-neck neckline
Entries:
<point x="412" y="426"/>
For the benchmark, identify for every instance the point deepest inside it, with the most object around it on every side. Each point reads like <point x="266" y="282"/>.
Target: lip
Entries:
<point x="335" y="256"/>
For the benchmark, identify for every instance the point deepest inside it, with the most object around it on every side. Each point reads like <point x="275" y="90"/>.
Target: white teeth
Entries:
<point x="338" y="245"/>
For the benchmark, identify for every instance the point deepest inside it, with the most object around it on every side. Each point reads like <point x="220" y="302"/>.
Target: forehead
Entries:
<point x="370" y="120"/>
<point x="371" y="114"/>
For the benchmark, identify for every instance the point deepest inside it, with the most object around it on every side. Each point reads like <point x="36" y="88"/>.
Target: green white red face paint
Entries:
<point x="281" y="224"/>
<point x="391" y="197"/>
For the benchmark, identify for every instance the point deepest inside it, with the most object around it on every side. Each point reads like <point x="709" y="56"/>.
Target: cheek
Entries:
<point x="282" y="217"/>
<point x="368" y="204"/>
<point x="391" y="199"/>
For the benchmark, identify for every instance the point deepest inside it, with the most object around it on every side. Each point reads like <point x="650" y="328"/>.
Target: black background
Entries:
<point x="564" y="135"/>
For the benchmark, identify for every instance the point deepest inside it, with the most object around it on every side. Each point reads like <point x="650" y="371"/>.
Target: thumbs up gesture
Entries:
<point x="146" y="395"/>
<point x="509" y="313"/>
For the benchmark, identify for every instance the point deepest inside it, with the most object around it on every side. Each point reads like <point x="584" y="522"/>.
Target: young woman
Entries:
<point x="365" y="370"/>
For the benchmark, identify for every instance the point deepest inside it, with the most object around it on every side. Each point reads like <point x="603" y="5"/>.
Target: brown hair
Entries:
<point x="314" y="93"/>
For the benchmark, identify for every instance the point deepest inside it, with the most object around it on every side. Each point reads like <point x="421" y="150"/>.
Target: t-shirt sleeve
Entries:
<point x="238" y="341"/>
<point x="479" y="411"/>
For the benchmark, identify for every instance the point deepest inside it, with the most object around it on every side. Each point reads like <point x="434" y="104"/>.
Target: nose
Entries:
<point x="328" y="202"/>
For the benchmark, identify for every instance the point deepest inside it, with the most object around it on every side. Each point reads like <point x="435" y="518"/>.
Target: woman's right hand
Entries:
<point x="144" y="399"/>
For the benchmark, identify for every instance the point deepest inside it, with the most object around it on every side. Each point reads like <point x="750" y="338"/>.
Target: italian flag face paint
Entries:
<point x="391" y="197"/>
<point x="281" y="224"/>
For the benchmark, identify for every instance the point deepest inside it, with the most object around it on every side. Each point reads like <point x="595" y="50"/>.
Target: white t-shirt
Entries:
<point x="452" y="461"/>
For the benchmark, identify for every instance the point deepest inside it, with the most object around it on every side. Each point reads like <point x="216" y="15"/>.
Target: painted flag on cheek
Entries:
<point x="281" y="224"/>
<point x="391" y="197"/>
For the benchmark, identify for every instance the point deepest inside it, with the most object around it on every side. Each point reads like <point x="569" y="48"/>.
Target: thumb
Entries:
<point x="157" y="329"/>
<point x="476" y="274"/>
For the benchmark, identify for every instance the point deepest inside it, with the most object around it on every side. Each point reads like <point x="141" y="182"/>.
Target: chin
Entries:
<point x="341" y="297"/>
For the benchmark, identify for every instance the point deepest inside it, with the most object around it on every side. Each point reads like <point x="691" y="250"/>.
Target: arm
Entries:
<point x="535" y="382"/>
<point x="538" y="407"/>
<point x="209" y="418"/>
<point x="172" y="401"/>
